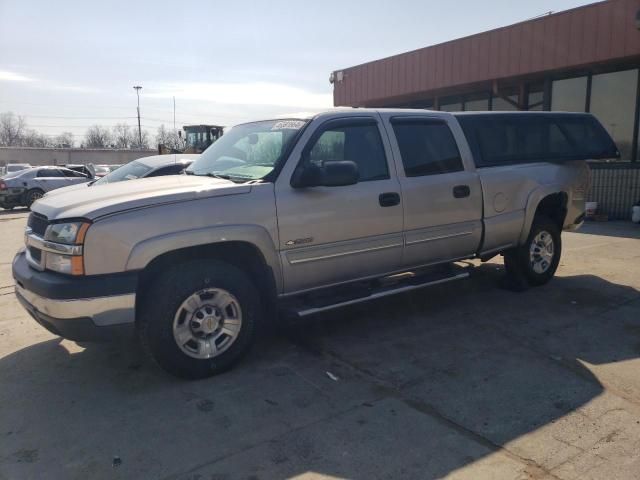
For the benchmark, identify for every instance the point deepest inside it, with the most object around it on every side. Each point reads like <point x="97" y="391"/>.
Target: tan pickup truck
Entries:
<point x="302" y="216"/>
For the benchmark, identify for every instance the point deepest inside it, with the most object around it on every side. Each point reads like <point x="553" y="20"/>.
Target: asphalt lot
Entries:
<point x="463" y="380"/>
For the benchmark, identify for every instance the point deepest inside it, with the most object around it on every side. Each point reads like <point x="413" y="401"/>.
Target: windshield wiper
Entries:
<point x="217" y="175"/>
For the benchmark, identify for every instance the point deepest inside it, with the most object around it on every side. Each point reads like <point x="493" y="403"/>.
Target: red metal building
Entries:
<point x="584" y="59"/>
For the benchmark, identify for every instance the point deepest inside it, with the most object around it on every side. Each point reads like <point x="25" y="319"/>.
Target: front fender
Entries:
<point x="145" y="251"/>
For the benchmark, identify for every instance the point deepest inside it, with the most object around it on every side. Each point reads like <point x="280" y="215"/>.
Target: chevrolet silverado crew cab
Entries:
<point x="302" y="216"/>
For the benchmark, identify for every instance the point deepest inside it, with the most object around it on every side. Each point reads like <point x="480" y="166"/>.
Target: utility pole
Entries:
<point x="174" y="114"/>
<point x="137" y="88"/>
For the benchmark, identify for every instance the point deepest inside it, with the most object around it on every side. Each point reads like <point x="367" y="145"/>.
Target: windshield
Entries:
<point x="130" y="171"/>
<point x="249" y="151"/>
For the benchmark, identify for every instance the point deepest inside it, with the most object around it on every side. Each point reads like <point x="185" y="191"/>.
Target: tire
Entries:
<point x="33" y="195"/>
<point x="537" y="259"/>
<point x="187" y="310"/>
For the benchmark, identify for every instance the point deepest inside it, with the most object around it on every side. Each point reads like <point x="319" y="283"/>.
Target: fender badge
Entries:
<point x="299" y="241"/>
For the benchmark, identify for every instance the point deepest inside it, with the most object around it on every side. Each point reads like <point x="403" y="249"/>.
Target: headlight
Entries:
<point x="71" y="233"/>
<point x="64" y="252"/>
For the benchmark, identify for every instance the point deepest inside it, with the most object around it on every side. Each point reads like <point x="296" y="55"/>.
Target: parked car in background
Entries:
<point x="155" y="166"/>
<point x="102" y="170"/>
<point x="16" y="167"/>
<point x="88" y="170"/>
<point x="22" y="188"/>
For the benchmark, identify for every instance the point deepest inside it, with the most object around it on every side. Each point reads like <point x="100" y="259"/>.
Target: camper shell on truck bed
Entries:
<point x="304" y="215"/>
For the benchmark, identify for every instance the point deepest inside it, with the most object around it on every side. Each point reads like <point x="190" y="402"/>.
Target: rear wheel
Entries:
<point x="199" y="318"/>
<point x="33" y="195"/>
<point x="538" y="258"/>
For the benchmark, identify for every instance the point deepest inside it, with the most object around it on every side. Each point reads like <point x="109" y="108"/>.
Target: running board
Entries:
<point x="380" y="294"/>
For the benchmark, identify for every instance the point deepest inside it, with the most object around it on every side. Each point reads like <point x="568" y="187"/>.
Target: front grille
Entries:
<point x="38" y="223"/>
<point x="36" y="254"/>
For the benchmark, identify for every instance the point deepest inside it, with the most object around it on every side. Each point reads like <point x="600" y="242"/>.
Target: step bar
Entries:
<point x="384" y="293"/>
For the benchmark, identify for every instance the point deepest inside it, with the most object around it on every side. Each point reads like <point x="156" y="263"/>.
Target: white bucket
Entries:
<point x="635" y="214"/>
<point x="590" y="209"/>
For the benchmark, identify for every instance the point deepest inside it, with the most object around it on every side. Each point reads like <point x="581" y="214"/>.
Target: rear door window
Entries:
<point x="426" y="147"/>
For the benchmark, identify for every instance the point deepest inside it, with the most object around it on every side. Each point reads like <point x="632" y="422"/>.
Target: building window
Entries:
<point x="499" y="104"/>
<point x="535" y="100"/>
<point x="613" y="102"/>
<point x="569" y="95"/>
<point x="477" y="105"/>
<point x="451" y="104"/>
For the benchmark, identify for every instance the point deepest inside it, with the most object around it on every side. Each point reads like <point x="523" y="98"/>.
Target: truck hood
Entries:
<point x="82" y="201"/>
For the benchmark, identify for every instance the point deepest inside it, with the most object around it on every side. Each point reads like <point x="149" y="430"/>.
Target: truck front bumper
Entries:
<point x="78" y="308"/>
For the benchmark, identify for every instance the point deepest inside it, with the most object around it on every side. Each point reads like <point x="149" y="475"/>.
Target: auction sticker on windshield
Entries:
<point x="288" y="125"/>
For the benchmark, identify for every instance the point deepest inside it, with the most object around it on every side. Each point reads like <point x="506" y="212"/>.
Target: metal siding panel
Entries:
<point x="402" y="74"/>
<point x="433" y="68"/>
<point x="494" y="57"/>
<point x="395" y="68"/>
<point x="456" y="63"/>
<point x="589" y="34"/>
<point x="603" y="31"/>
<point x="575" y="42"/>
<point x="514" y="49"/>
<point x="425" y="67"/>
<point x="447" y="56"/>
<point x="526" y="48"/>
<point x="467" y="73"/>
<point x="632" y="37"/>
<point x="563" y="40"/>
<point x="503" y="59"/>
<point x="412" y="72"/>
<point x="439" y="66"/>
<point x="388" y="77"/>
<point x="483" y="43"/>
<point x="549" y="43"/>
<point x="618" y="10"/>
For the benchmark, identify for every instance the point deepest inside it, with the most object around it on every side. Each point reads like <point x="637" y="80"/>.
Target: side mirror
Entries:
<point x="330" y="174"/>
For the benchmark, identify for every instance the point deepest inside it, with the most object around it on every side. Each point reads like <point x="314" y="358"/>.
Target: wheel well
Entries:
<point x="554" y="206"/>
<point x="242" y="255"/>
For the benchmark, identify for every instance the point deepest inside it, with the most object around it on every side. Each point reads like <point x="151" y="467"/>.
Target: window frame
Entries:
<point x="424" y="121"/>
<point x="335" y="123"/>
<point x="60" y="173"/>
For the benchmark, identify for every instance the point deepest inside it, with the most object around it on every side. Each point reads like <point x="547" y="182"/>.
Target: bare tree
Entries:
<point x="169" y="138"/>
<point x="144" y="145"/>
<point x="12" y="129"/>
<point x="123" y="137"/>
<point x="33" y="138"/>
<point x="64" y="140"/>
<point x="97" y="137"/>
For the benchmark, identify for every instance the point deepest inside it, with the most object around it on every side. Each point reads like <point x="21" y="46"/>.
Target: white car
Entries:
<point x="16" y="167"/>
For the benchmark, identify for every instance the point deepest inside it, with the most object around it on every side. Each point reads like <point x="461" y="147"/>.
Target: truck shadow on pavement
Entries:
<point x="420" y="386"/>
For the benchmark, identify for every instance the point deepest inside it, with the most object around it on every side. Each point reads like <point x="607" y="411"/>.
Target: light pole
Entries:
<point x="137" y="88"/>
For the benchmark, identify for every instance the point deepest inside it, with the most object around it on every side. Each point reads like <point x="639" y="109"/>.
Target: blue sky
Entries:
<point x="69" y="64"/>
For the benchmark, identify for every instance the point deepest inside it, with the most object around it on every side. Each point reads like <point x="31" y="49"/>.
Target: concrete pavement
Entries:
<point x="463" y="381"/>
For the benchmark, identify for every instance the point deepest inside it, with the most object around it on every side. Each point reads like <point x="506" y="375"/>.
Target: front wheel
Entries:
<point x="199" y="318"/>
<point x="33" y="195"/>
<point x="537" y="260"/>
